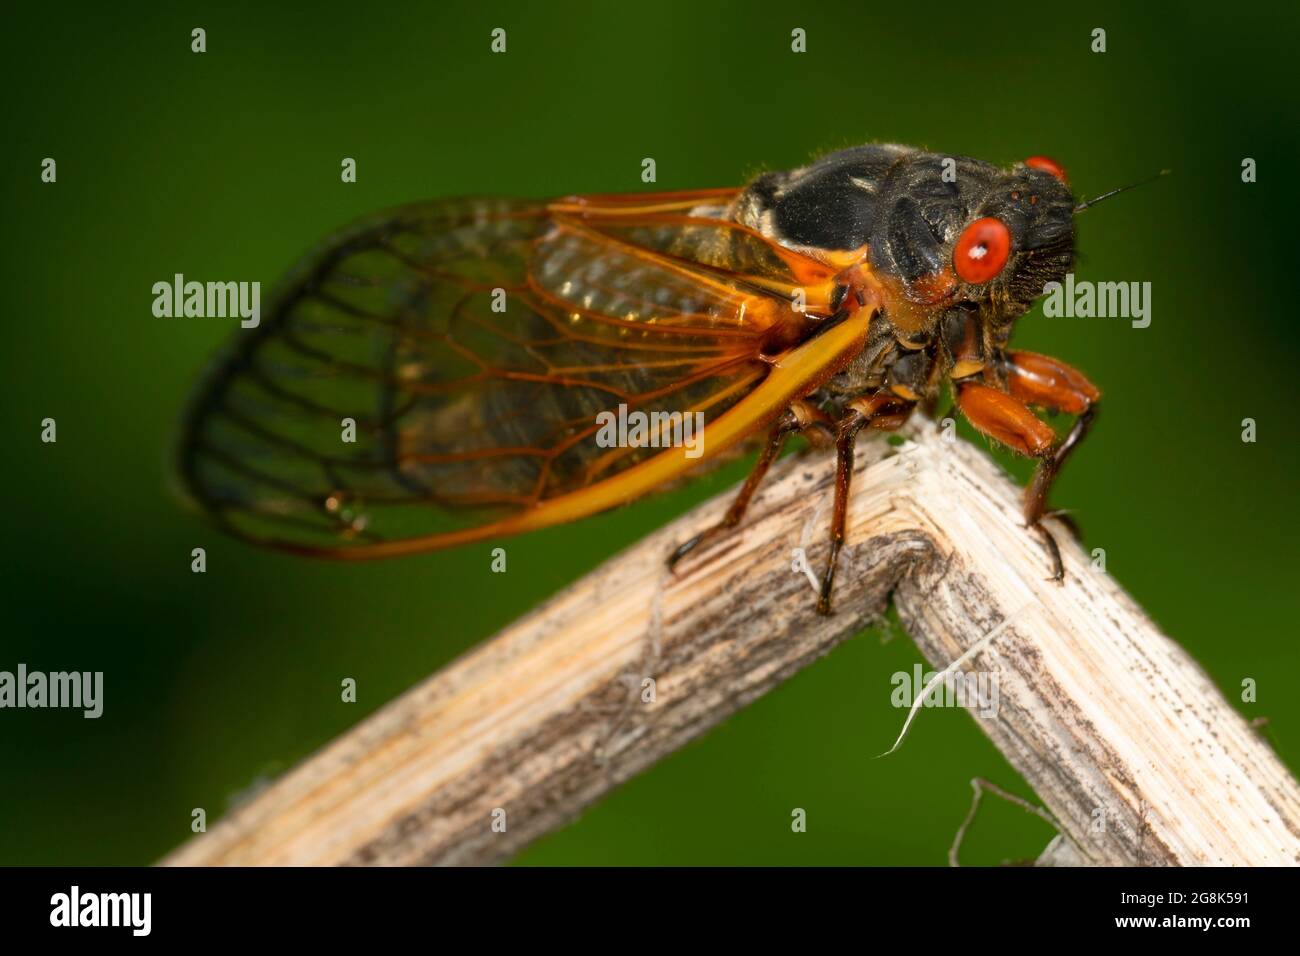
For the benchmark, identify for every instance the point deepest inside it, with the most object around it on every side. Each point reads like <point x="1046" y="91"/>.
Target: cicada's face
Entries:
<point x="970" y="235"/>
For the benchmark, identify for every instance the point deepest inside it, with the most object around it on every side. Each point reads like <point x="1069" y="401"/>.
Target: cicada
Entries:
<point x="436" y="374"/>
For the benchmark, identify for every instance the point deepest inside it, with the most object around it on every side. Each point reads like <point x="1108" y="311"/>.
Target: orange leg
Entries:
<point x="1005" y="416"/>
<point x="799" y="417"/>
<point x="1044" y="381"/>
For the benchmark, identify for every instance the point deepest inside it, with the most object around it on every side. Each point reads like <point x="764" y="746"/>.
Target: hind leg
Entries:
<point x="799" y="417"/>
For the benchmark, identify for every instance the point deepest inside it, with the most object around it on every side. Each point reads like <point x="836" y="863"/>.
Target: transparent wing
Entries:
<point x="437" y="368"/>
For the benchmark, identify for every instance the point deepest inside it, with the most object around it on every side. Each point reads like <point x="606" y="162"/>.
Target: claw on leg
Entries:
<point x="1053" y="552"/>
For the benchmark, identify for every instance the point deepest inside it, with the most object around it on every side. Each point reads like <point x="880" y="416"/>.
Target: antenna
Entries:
<point x="1115" y="192"/>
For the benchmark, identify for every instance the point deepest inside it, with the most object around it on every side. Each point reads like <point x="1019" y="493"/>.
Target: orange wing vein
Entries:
<point x="433" y="375"/>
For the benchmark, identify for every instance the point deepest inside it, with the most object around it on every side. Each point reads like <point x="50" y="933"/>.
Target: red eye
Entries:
<point x="982" y="250"/>
<point x="1048" y="165"/>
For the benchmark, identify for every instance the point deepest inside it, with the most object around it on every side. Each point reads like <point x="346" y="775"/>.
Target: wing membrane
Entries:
<point x="434" y="374"/>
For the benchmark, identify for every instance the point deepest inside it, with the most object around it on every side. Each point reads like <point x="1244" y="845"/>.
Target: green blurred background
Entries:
<point x="225" y="165"/>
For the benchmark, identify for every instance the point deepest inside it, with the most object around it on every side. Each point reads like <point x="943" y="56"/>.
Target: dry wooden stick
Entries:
<point x="1123" y="737"/>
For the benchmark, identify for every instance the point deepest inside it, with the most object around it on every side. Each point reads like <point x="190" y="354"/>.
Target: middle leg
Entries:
<point x="881" y="410"/>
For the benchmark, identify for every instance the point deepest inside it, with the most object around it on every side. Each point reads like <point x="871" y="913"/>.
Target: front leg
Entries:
<point x="1005" y="416"/>
<point x="1044" y="381"/>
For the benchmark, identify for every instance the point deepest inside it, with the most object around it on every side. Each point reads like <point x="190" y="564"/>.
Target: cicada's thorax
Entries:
<point x="900" y="213"/>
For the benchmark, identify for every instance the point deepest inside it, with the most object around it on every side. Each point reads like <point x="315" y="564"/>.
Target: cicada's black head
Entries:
<point x="943" y="232"/>
<point x="958" y="232"/>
